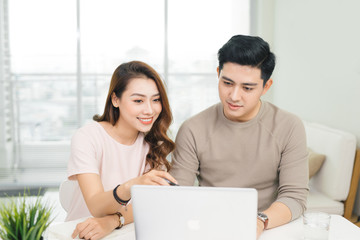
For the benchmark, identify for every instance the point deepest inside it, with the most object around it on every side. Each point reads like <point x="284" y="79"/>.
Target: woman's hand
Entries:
<point x="154" y="177"/>
<point x="96" y="228"/>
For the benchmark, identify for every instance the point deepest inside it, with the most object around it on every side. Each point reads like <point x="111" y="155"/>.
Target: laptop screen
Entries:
<point x="177" y="212"/>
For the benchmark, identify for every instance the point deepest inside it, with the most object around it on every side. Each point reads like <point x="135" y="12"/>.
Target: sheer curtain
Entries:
<point x="57" y="58"/>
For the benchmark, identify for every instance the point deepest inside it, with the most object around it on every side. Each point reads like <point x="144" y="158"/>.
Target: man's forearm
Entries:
<point x="278" y="214"/>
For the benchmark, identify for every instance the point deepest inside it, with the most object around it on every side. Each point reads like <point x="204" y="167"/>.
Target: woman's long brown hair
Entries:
<point x="160" y="144"/>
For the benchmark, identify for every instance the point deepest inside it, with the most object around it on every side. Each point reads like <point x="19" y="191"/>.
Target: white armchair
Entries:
<point x="66" y="192"/>
<point x="333" y="188"/>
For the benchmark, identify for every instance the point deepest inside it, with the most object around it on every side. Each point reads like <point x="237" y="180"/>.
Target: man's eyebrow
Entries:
<point x="227" y="79"/>
<point x="142" y="95"/>
<point x="249" y="84"/>
<point x="244" y="84"/>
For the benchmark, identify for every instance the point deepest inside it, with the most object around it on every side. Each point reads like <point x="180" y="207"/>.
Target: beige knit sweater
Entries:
<point x="267" y="153"/>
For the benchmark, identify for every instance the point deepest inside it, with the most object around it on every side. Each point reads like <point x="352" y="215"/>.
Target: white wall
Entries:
<point x="318" y="70"/>
<point x="317" y="43"/>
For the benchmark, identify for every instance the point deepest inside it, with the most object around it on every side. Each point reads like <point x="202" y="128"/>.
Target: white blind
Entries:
<point x="6" y="137"/>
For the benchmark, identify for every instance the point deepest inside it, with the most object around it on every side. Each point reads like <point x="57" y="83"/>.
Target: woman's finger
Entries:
<point x="79" y="228"/>
<point x="165" y="175"/>
<point x="89" y="228"/>
<point x="90" y="235"/>
<point x="169" y="177"/>
<point x="156" y="180"/>
<point x="96" y="236"/>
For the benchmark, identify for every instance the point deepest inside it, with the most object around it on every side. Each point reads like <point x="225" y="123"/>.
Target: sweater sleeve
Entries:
<point x="184" y="160"/>
<point x="293" y="171"/>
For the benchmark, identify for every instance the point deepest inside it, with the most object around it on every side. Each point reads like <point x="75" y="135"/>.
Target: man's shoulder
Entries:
<point x="282" y="126"/>
<point x="198" y="129"/>
<point x="203" y="118"/>
<point x="275" y="117"/>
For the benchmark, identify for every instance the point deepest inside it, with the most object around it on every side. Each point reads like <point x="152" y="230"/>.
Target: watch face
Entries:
<point x="262" y="216"/>
<point x="122" y="220"/>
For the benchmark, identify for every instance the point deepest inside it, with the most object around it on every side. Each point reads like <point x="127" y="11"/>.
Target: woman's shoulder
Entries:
<point x="90" y="127"/>
<point x="89" y="130"/>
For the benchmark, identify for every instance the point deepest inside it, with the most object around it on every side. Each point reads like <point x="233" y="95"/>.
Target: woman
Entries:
<point x="126" y="145"/>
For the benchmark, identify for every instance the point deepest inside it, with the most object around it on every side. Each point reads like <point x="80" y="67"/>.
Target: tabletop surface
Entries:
<point x="340" y="229"/>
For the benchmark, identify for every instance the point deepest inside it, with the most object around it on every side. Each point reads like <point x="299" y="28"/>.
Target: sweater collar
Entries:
<point x="220" y="110"/>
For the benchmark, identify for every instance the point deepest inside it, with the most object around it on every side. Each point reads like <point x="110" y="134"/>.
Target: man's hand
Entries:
<point x="259" y="228"/>
<point x="278" y="214"/>
<point x="96" y="228"/>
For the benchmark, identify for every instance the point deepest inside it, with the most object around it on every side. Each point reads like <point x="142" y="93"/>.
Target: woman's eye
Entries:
<point x="157" y="100"/>
<point x="138" y="101"/>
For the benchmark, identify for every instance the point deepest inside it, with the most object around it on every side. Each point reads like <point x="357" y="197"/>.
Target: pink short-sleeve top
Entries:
<point x="93" y="150"/>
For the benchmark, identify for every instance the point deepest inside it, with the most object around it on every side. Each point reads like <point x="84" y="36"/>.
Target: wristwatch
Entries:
<point x="263" y="218"/>
<point x="121" y="220"/>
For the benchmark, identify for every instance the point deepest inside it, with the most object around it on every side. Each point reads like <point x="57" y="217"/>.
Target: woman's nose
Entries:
<point x="148" y="109"/>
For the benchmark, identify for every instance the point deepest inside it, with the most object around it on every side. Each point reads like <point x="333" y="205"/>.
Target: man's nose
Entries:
<point x="235" y="94"/>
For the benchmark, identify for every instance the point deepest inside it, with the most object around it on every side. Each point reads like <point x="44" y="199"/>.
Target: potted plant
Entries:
<point x="23" y="218"/>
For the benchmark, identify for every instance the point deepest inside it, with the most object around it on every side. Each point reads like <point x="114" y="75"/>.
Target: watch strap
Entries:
<point x="121" y="220"/>
<point x="264" y="218"/>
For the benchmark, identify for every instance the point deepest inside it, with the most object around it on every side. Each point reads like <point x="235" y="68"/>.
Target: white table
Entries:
<point x="340" y="229"/>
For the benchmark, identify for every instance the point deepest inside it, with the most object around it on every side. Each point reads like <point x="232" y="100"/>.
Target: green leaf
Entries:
<point x="24" y="219"/>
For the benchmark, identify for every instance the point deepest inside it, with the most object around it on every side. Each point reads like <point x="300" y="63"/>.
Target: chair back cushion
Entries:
<point x="339" y="147"/>
<point x="316" y="160"/>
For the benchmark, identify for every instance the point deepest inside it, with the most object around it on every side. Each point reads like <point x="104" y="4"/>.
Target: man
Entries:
<point x="244" y="141"/>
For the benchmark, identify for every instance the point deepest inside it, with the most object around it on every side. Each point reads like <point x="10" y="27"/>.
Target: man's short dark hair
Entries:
<point x="248" y="50"/>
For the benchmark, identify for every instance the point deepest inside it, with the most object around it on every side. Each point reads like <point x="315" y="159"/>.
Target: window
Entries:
<point x="58" y="57"/>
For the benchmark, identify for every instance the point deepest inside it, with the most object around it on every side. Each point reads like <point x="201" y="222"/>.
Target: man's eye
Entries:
<point x="138" y="101"/>
<point x="227" y="83"/>
<point x="248" y="89"/>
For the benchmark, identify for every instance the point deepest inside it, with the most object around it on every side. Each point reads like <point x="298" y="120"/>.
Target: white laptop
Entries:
<point x="194" y="213"/>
